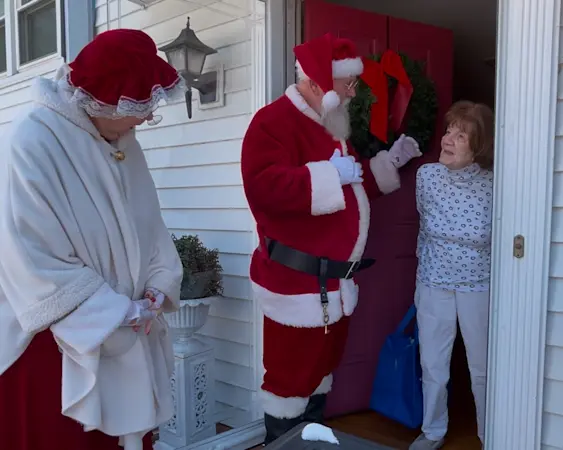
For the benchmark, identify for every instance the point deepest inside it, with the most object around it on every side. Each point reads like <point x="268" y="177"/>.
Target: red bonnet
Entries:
<point x="121" y="74"/>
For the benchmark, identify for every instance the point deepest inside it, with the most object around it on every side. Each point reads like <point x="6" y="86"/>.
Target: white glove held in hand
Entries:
<point x="403" y="150"/>
<point x="152" y="302"/>
<point x="139" y="313"/>
<point x="156" y="296"/>
<point x="349" y="170"/>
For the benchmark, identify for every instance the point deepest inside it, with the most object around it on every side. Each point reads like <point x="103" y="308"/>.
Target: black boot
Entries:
<point x="315" y="409"/>
<point x="277" y="427"/>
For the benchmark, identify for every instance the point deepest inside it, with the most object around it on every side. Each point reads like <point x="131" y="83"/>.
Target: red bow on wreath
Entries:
<point x="375" y="76"/>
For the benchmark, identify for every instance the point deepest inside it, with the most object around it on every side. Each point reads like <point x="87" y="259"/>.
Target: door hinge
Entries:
<point x="518" y="246"/>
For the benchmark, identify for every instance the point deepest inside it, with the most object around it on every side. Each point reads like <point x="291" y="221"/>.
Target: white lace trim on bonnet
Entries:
<point x="126" y="107"/>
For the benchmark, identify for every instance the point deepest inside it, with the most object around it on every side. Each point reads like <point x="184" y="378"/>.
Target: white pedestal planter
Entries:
<point x="193" y="381"/>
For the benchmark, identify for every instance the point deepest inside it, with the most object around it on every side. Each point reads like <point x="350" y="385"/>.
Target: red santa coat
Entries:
<point x="296" y="198"/>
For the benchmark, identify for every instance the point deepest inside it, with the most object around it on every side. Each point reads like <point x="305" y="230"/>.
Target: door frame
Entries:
<point x="527" y="70"/>
<point x="526" y="87"/>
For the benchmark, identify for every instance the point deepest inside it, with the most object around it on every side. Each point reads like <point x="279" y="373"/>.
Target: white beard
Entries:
<point x="337" y="121"/>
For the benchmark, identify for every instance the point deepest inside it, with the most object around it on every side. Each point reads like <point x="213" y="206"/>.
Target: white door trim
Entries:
<point x="527" y="62"/>
<point x="281" y="26"/>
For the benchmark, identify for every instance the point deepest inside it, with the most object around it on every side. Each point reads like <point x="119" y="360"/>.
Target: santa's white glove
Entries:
<point x="349" y="170"/>
<point x="139" y="313"/>
<point x="403" y="150"/>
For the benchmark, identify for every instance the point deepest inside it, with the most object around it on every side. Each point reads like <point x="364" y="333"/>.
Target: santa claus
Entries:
<point x="310" y="194"/>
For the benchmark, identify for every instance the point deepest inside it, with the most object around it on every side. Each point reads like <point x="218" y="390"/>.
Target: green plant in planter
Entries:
<point x="202" y="271"/>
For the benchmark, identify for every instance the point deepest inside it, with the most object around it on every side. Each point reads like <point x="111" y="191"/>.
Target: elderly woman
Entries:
<point x="87" y="263"/>
<point x="454" y="199"/>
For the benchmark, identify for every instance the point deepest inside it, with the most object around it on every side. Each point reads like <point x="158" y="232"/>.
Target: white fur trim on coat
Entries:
<point x="349" y="292"/>
<point x="364" y="210"/>
<point x="62" y="302"/>
<point x="305" y="310"/>
<point x="349" y="67"/>
<point x="327" y="196"/>
<point x="283" y="407"/>
<point x="299" y="102"/>
<point x="325" y="386"/>
<point x="385" y="173"/>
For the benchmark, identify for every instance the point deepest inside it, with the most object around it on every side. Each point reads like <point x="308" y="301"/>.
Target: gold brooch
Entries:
<point x="119" y="156"/>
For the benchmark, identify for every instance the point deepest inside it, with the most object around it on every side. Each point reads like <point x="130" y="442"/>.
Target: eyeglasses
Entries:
<point x="351" y="85"/>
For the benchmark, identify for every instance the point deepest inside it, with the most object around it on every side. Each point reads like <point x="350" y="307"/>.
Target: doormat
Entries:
<point x="292" y="441"/>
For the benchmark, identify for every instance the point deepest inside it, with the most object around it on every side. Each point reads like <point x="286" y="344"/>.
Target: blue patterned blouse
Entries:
<point x="454" y="241"/>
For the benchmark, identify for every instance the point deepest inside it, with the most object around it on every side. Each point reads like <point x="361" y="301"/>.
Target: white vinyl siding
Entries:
<point x="552" y="433"/>
<point x="195" y="164"/>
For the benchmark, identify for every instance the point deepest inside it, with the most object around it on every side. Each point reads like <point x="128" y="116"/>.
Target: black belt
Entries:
<point x="313" y="265"/>
<point x="323" y="268"/>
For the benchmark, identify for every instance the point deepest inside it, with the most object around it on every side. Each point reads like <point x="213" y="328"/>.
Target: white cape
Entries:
<point x="81" y="234"/>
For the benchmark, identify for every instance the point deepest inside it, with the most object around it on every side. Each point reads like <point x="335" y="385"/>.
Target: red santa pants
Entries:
<point x="299" y="363"/>
<point x="30" y="405"/>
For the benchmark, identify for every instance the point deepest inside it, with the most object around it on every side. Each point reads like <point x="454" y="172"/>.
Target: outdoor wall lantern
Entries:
<point x="187" y="55"/>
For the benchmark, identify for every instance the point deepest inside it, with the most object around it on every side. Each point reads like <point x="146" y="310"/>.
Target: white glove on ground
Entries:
<point x="403" y="150"/>
<point x="349" y="170"/>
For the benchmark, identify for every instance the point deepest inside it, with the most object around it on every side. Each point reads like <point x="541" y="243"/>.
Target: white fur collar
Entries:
<point x="57" y="94"/>
<point x="53" y="95"/>
<point x="299" y="102"/>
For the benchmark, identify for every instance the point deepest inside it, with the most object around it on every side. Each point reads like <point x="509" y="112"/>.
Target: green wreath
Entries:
<point x="420" y="117"/>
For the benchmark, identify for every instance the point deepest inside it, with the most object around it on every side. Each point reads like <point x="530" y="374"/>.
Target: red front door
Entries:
<point x="367" y="30"/>
<point x="387" y="289"/>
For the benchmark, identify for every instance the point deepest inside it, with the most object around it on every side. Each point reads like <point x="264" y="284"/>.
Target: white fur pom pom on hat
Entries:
<point x="331" y="100"/>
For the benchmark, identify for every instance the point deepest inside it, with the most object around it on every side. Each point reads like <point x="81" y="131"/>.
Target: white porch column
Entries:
<point x="526" y="97"/>
<point x="193" y="381"/>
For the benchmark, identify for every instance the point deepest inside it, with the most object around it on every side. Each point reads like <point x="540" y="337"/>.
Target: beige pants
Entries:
<point x="438" y="312"/>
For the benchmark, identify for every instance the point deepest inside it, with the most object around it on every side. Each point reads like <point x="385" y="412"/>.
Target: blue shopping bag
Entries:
<point x="397" y="387"/>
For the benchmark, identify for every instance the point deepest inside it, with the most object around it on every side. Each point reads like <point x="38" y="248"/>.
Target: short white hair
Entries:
<point x="299" y="73"/>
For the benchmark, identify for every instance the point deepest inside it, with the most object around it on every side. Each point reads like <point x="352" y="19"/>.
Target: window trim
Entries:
<point x="3" y="23"/>
<point x="33" y="4"/>
<point x="11" y="10"/>
<point x="78" y="30"/>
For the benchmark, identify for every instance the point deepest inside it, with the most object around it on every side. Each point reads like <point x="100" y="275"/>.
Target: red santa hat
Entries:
<point x="325" y="58"/>
<point x="120" y="74"/>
